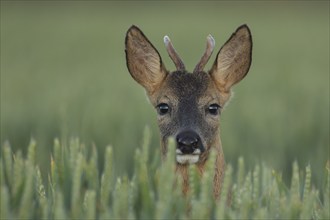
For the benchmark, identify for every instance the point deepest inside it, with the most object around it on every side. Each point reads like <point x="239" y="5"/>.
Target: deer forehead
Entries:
<point x="184" y="87"/>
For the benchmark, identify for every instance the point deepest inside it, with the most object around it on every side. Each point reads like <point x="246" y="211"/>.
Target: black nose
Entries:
<point x="188" y="142"/>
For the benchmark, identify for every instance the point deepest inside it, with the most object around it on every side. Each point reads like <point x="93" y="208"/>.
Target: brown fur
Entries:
<point x="189" y="95"/>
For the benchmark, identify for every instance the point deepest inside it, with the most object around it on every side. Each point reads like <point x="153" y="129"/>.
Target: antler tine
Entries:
<point x="173" y="54"/>
<point x="207" y="54"/>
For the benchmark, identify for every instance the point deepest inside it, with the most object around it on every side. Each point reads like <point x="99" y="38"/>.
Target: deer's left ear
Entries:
<point x="233" y="60"/>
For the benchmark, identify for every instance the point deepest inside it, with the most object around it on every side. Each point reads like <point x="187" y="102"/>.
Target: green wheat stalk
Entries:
<point x="76" y="186"/>
<point x="5" y="203"/>
<point x="90" y="204"/>
<point x="107" y="177"/>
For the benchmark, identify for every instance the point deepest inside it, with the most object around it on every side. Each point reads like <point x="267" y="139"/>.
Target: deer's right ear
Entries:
<point x="143" y="60"/>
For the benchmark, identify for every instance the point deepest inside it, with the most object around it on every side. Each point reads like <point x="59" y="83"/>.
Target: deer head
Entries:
<point x="189" y="104"/>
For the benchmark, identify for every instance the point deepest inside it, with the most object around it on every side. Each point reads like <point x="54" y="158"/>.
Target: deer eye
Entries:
<point x="163" y="108"/>
<point x="214" y="109"/>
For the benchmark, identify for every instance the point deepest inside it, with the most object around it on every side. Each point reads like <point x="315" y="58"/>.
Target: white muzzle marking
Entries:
<point x="187" y="158"/>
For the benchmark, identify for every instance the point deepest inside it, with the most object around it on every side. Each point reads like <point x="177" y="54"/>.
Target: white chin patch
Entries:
<point x="187" y="158"/>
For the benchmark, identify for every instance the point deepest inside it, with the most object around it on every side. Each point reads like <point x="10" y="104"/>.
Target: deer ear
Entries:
<point x="143" y="60"/>
<point x="233" y="60"/>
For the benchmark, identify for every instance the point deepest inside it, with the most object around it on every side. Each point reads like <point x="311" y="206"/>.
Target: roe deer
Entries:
<point x="189" y="104"/>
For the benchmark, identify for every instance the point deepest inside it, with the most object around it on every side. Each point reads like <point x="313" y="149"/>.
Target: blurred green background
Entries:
<point x="63" y="74"/>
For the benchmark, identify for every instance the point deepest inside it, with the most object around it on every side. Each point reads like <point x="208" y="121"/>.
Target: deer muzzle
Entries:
<point x="189" y="147"/>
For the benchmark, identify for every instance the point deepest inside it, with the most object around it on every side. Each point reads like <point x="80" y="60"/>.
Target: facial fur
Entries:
<point x="189" y="97"/>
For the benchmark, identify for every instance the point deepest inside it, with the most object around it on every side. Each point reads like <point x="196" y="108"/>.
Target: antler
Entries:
<point x="207" y="54"/>
<point x="173" y="54"/>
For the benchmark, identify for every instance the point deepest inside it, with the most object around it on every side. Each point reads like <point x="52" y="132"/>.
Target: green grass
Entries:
<point x="76" y="189"/>
<point x="63" y="75"/>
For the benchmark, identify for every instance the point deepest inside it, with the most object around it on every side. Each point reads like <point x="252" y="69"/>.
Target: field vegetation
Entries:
<point x="77" y="189"/>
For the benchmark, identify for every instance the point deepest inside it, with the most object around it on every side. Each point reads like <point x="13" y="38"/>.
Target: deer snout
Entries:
<point x="189" y="142"/>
